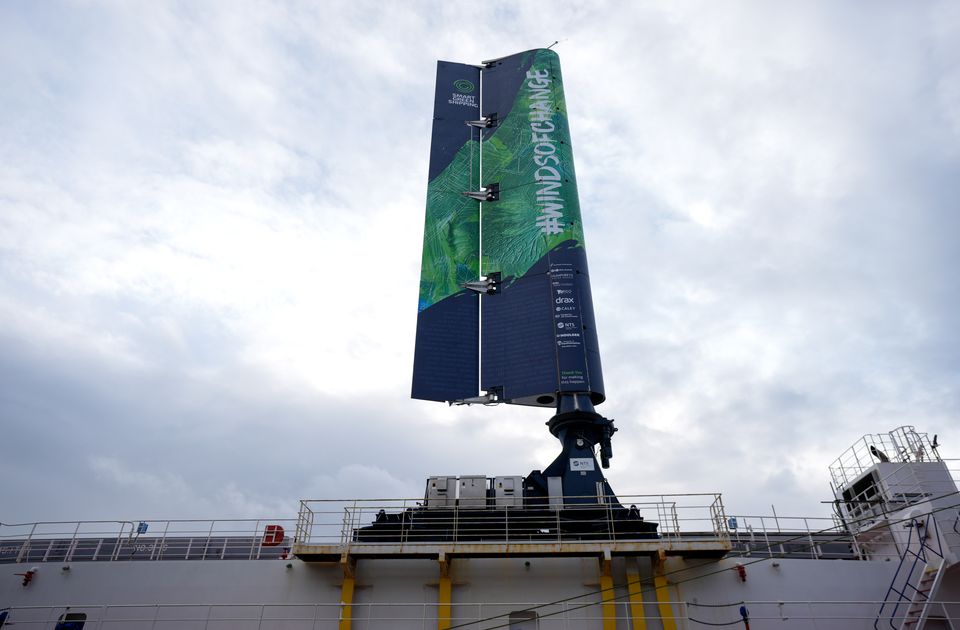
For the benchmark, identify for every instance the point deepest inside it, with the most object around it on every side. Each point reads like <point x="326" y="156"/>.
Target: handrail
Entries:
<point x="336" y="522"/>
<point x="690" y="513"/>
<point x="901" y="445"/>
<point x="186" y="539"/>
<point x="550" y="615"/>
<point x="918" y="556"/>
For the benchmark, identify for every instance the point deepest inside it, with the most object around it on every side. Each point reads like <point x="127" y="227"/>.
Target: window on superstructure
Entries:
<point x="71" y="621"/>
<point x="523" y="620"/>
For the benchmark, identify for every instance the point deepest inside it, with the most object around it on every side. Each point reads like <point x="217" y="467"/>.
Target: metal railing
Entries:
<point x="336" y="522"/>
<point x="916" y="555"/>
<point x="77" y="541"/>
<point x="792" y="536"/>
<point x="902" y="445"/>
<point x="408" y="521"/>
<point x="584" y="612"/>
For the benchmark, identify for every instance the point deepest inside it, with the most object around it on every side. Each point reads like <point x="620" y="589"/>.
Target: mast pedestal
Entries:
<point x="574" y="477"/>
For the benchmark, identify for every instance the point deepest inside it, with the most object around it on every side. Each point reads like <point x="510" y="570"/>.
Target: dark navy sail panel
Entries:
<point x="457" y="99"/>
<point x="538" y="335"/>
<point x="447" y="351"/>
<point x="446" y="358"/>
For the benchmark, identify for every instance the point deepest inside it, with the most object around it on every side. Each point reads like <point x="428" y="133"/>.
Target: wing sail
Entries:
<point x="538" y="337"/>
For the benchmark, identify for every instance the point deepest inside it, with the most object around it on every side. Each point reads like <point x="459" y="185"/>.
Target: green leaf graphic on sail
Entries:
<point x="451" y="242"/>
<point x="514" y="237"/>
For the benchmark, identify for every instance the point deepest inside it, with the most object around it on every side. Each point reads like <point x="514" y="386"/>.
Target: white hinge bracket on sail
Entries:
<point x="489" y="63"/>
<point x="488" y="285"/>
<point x="488" y="122"/>
<point x="489" y="193"/>
<point x="489" y="398"/>
<point x="492" y="396"/>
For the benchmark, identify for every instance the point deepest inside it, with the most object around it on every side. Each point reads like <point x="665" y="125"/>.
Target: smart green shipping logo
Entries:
<point x="463" y="86"/>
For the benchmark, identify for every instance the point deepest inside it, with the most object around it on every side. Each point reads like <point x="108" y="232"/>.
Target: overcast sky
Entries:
<point x="211" y="220"/>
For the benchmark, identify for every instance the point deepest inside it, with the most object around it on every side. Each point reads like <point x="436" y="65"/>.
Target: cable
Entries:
<point x="709" y="623"/>
<point x="618" y="598"/>
<point x="649" y="582"/>
<point x="837" y="539"/>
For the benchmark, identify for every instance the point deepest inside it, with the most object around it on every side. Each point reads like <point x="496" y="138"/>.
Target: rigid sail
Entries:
<point x="505" y="304"/>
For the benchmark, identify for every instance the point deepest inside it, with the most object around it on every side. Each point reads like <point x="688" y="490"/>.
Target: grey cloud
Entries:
<point x="210" y="231"/>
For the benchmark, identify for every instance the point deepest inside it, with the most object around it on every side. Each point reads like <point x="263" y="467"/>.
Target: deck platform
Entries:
<point x="706" y="547"/>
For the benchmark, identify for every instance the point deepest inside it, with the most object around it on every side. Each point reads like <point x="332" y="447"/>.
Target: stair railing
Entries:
<point x="909" y="591"/>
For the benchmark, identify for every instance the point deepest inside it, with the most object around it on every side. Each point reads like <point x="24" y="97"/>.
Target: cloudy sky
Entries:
<point x="210" y="232"/>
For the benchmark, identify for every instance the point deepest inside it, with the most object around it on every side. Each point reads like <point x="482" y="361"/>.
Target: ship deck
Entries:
<point x="706" y="547"/>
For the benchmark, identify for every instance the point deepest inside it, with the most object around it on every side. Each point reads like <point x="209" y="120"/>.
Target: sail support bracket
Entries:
<point x="487" y="286"/>
<point x="490" y="193"/>
<point x="488" y="122"/>
<point x="489" y="398"/>
<point x="489" y="63"/>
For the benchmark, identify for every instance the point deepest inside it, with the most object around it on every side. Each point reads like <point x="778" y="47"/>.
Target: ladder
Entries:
<point x="915" y="582"/>
<point x="926" y="589"/>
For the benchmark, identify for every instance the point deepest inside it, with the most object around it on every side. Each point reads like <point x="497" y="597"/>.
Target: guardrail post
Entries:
<point x="813" y="546"/>
<point x="298" y="529"/>
<point x="676" y="519"/>
<point x="355" y="517"/>
<point x="557" y="512"/>
<point x="26" y="544"/>
<point x="73" y="543"/>
<point x="611" y="526"/>
<point x="206" y="545"/>
<point x="506" y="523"/>
<point x="119" y="542"/>
<point x="163" y="540"/>
<point x="456" y="522"/>
<point x="253" y="541"/>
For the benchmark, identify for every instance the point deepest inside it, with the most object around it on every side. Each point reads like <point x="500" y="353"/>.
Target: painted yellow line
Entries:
<point x="663" y="601"/>
<point x="609" y="604"/>
<point x="636" y="595"/>
<point x="346" y="603"/>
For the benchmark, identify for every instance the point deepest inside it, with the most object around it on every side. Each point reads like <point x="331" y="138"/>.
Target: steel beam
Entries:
<point x="607" y="597"/>
<point x="635" y="591"/>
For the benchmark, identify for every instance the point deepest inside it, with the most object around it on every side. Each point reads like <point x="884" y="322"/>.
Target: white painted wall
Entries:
<point x="795" y="582"/>
<point x="402" y="593"/>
